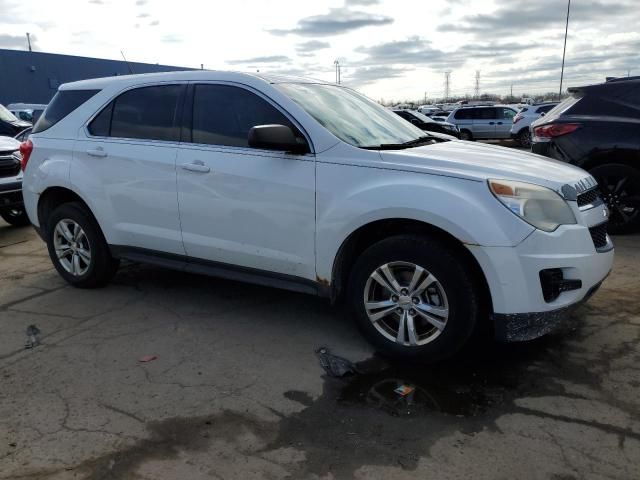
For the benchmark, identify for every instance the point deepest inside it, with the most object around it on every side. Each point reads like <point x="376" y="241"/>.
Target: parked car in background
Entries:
<point x="10" y="126"/>
<point x="24" y="134"/>
<point x="598" y="128"/>
<point x="312" y="187"/>
<point x="520" y="130"/>
<point x="483" y="122"/>
<point x="11" y="204"/>
<point x="28" y="112"/>
<point x="427" y="124"/>
<point x="428" y="109"/>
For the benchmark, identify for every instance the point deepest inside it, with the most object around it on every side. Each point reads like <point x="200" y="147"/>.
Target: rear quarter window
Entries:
<point x="63" y="103"/>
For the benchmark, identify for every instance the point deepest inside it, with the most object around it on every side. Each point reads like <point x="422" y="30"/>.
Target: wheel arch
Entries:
<point x="627" y="157"/>
<point x="366" y="235"/>
<point x="51" y="198"/>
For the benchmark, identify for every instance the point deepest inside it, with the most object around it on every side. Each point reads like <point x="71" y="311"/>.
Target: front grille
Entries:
<point x="9" y="165"/>
<point x="588" y="198"/>
<point x="599" y="235"/>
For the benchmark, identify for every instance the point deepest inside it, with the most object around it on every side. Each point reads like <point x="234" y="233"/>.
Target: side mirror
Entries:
<point x="275" y="137"/>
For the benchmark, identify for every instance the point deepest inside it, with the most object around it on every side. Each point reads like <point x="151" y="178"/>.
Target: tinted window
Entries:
<point x="100" y="126"/>
<point x="404" y="115"/>
<point x="223" y="115"/>
<point x="150" y="113"/>
<point x="545" y="108"/>
<point x="506" y="113"/>
<point x="464" y="114"/>
<point x="63" y="103"/>
<point x="486" y="114"/>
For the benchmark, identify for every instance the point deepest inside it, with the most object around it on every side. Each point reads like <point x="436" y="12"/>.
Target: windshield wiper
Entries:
<point x="399" y="146"/>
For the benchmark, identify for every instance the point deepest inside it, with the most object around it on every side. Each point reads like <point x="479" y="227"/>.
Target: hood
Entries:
<point x="477" y="161"/>
<point x="8" y="144"/>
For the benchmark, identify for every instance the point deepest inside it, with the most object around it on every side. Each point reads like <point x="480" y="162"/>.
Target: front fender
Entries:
<point x="349" y="197"/>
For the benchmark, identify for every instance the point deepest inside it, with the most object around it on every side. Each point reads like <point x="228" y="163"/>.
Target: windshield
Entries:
<point x="6" y="115"/>
<point x="350" y="116"/>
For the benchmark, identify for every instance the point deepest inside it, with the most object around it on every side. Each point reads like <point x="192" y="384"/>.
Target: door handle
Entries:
<point x="492" y="123"/>
<point x="97" y="152"/>
<point x="196" y="166"/>
<point x="499" y="123"/>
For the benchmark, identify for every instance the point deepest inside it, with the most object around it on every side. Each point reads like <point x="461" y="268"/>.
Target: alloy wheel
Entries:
<point x="406" y="303"/>
<point x="72" y="247"/>
<point x="622" y="196"/>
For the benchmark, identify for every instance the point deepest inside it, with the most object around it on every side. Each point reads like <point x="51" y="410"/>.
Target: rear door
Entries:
<point x="484" y="122"/>
<point x="243" y="206"/>
<point x="504" y="121"/>
<point x="124" y="165"/>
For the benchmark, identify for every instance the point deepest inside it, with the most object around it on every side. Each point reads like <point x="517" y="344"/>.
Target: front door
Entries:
<point x="239" y="205"/>
<point x="504" y="122"/>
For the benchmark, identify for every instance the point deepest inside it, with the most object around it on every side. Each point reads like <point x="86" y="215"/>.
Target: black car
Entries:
<point x="598" y="128"/>
<point x="427" y="124"/>
<point x="9" y="124"/>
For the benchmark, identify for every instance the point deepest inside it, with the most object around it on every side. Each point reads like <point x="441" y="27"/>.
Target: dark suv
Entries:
<point x="598" y="128"/>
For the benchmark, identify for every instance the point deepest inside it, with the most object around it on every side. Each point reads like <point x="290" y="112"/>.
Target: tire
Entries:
<point x="62" y="235"/>
<point x="466" y="135"/>
<point x="524" y="138"/>
<point x="16" y="217"/>
<point x="620" y="190"/>
<point x="453" y="291"/>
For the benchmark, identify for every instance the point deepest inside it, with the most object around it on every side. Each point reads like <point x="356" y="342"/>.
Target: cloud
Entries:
<point x="96" y="2"/>
<point x="517" y="17"/>
<point x="143" y="15"/>
<point x="412" y="51"/>
<point x="141" y="2"/>
<point x="17" y="41"/>
<point x="256" y="60"/>
<point x="363" y="3"/>
<point x="311" y="46"/>
<point x="336" y="22"/>
<point x="171" y="38"/>
<point x="367" y="75"/>
<point x="154" y="23"/>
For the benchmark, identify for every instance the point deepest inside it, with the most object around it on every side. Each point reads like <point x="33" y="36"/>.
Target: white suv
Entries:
<point x="520" y="128"/>
<point x="312" y="187"/>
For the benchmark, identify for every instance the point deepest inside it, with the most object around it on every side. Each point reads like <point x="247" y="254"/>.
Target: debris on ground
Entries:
<point x="334" y="366"/>
<point x="404" y="390"/>
<point x="147" y="358"/>
<point x="33" y="337"/>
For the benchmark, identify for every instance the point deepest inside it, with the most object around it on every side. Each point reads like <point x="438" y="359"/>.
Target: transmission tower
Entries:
<point x="477" y="88"/>
<point x="447" y="84"/>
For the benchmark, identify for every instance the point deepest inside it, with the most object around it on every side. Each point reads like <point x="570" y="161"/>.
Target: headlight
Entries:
<point x="540" y="206"/>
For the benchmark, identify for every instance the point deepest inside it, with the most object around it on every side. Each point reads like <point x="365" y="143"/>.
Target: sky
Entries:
<point x="388" y="49"/>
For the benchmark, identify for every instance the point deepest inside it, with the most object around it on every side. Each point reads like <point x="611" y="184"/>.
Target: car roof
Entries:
<point x="185" y="75"/>
<point x="614" y="84"/>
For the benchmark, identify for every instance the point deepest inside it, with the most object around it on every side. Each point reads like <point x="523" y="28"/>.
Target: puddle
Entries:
<point x="476" y="380"/>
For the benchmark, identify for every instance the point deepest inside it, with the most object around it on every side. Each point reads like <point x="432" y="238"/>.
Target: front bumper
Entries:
<point x="513" y="277"/>
<point x="11" y="195"/>
<point x="521" y="327"/>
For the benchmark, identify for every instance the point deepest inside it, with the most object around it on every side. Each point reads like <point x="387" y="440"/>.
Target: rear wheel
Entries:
<point x="413" y="298"/>
<point x="524" y="138"/>
<point x="15" y="216"/>
<point x="466" y="135"/>
<point x="620" y="190"/>
<point x="77" y="247"/>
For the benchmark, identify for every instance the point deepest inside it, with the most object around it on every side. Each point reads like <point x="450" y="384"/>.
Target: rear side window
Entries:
<point x="149" y="113"/>
<point x="505" y="113"/>
<point x="223" y="115"/>
<point x="63" y="103"/>
<point x="486" y="114"/>
<point x="545" y="108"/>
<point x="464" y="114"/>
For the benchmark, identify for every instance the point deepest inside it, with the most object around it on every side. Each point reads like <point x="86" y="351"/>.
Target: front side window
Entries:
<point x="351" y="117"/>
<point x="149" y="113"/>
<point x="507" y="113"/>
<point x="223" y="115"/>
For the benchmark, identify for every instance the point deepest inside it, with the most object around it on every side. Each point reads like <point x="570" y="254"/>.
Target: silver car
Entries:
<point x="483" y="122"/>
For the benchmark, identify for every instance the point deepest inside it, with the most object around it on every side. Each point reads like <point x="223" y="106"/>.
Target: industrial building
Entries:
<point x="34" y="77"/>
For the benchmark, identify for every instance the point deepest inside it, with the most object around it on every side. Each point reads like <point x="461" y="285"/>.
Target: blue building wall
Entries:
<point x="34" y="77"/>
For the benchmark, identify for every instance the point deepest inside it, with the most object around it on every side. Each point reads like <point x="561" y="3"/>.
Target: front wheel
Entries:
<point x="77" y="247"/>
<point x="16" y="217"/>
<point x="414" y="298"/>
<point x="620" y="190"/>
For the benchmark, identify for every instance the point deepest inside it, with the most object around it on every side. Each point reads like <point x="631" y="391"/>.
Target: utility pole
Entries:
<point x="425" y="97"/>
<point x="447" y="84"/>
<point x="564" y="51"/>
<point x="511" y="95"/>
<point x="477" y="88"/>
<point x="29" y="41"/>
